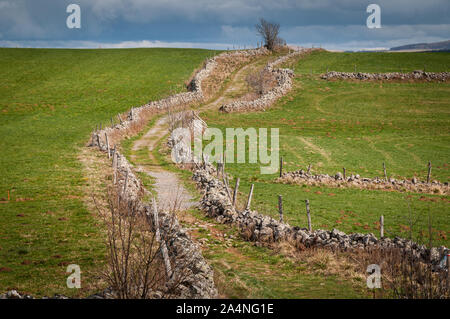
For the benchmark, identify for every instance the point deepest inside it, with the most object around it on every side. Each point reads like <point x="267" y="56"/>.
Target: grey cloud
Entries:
<point x="225" y="21"/>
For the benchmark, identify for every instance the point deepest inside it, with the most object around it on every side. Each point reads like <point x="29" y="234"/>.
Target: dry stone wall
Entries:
<point x="199" y="282"/>
<point x="185" y="254"/>
<point x="417" y="75"/>
<point x="284" y="84"/>
<point x="264" y="229"/>
<point x="338" y="180"/>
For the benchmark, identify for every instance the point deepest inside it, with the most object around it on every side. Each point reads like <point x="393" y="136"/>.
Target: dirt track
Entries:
<point x="167" y="184"/>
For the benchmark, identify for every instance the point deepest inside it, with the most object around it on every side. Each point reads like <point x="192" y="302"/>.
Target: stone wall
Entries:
<point x="264" y="229"/>
<point x="183" y="252"/>
<point x="338" y="180"/>
<point x="393" y="76"/>
<point x="199" y="283"/>
<point x="283" y="79"/>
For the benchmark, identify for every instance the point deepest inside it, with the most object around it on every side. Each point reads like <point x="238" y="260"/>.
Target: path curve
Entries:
<point x="171" y="193"/>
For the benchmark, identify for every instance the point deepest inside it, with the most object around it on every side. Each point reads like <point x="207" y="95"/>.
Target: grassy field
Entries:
<point x="243" y="270"/>
<point x="50" y="101"/>
<point x="357" y="126"/>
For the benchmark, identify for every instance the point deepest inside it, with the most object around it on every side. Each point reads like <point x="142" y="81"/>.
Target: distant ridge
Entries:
<point x="435" y="46"/>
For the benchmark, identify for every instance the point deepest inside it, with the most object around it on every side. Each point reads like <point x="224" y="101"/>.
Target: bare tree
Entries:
<point x="136" y="267"/>
<point x="269" y="32"/>
<point x="260" y="81"/>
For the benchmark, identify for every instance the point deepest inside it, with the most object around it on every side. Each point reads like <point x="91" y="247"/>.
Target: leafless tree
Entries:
<point x="269" y="32"/>
<point x="260" y="81"/>
<point x="136" y="268"/>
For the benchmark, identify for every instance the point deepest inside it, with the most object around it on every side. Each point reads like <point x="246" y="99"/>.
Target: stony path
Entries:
<point x="169" y="189"/>
<point x="171" y="193"/>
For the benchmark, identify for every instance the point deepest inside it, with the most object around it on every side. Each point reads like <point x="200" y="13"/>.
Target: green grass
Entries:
<point x="246" y="271"/>
<point x="50" y="101"/>
<point x="357" y="126"/>
<point x="372" y="62"/>
<point x="241" y="269"/>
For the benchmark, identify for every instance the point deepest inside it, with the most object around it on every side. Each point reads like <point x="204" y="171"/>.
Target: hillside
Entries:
<point x="50" y="101"/>
<point x="50" y="107"/>
<point x="356" y="125"/>
<point x="435" y="46"/>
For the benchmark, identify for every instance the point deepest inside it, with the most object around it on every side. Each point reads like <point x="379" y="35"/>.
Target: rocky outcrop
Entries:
<point x="392" y="76"/>
<point x="414" y="185"/>
<point x="283" y="85"/>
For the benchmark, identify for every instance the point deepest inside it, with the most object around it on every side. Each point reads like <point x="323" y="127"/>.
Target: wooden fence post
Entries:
<point x="381" y="226"/>
<point x="113" y="155"/>
<point x="115" y="160"/>
<point x="114" y="150"/>
<point x="309" y="215"/>
<point x="223" y="164"/>
<point x="249" y="199"/>
<point x="280" y="207"/>
<point x="309" y="169"/>
<point x="236" y="187"/>
<point x="225" y="182"/>
<point x="429" y="172"/>
<point x="112" y="122"/>
<point x="385" y="174"/>
<point x="161" y="241"/>
<point x="107" y="145"/>
<point x="218" y="168"/>
<point x="204" y="160"/>
<point x="281" y="166"/>
<point x="343" y="170"/>
<point x="125" y="183"/>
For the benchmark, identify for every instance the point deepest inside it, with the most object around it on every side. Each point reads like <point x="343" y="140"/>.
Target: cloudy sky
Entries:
<point x="332" y="24"/>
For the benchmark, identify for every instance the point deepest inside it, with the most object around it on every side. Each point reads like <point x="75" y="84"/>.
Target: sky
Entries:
<point x="221" y="24"/>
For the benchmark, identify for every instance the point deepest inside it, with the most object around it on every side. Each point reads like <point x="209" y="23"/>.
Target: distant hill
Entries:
<point x="435" y="46"/>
